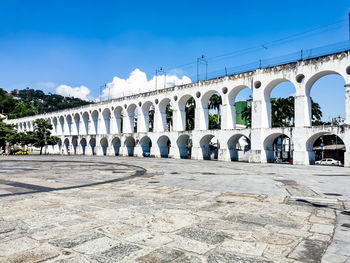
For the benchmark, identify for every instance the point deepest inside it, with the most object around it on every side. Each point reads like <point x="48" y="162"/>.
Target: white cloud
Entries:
<point x="137" y="82"/>
<point x="81" y="92"/>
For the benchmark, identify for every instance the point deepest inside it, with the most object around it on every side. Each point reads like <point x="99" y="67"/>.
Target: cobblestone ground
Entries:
<point x="76" y="209"/>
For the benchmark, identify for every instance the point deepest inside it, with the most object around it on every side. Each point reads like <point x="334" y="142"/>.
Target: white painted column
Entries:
<point x="158" y="120"/>
<point x="66" y="128"/>
<point x="302" y="107"/>
<point x="228" y="114"/>
<point x="113" y="125"/>
<point x="127" y="120"/>
<point x="110" y="151"/>
<point x="201" y="121"/>
<point x="142" y="121"/>
<point x="347" y="103"/>
<point x="179" y="119"/>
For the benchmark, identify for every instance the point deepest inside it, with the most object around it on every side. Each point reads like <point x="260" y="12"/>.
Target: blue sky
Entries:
<point x="44" y="44"/>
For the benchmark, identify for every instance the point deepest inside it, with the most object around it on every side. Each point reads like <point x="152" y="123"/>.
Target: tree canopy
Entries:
<point x="29" y="102"/>
<point x="282" y="112"/>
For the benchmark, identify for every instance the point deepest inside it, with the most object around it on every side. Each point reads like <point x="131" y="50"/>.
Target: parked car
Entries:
<point x="328" y="161"/>
<point x="22" y="153"/>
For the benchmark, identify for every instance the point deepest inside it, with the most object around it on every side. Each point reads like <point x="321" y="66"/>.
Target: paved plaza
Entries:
<point x="120" y="209"/>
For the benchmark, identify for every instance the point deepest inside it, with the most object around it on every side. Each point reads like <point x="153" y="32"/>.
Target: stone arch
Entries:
<point x="95" y="116"/>
<point x="230" y="111"/>
<point x="239" y="147"/>
<point x="166" y="119"/>
<point x="116" y="145"/>
<point x="75" y="144"/>
<point x="69" y="124"/>
<point x="77" y="123"/>
<point x="184" y="145"/>
<point x="266" y="114"/>
<point x="209" y="147"/>
<point x="148" y="116"/>
<point x="83" y="145"/>
<point x="130" y="145"/>
<point x="146" y="145"/>
<point x="164" y="145"/>
<point x="275" y="150"/>
<point x="92" y="144"/>
<point x="104" y="145"/>
<point x="61" y="121"/>
<point x="59" y="145"/>
<point x="131" y="125"/>
<point x="312" y="150"/>
<point x="106" y="116"/>
<point x="310" y="83"/>
<point x="66" y="146"/>
<point x="118" y="118"/>
<point x="205" y="102"/>
<point x="185" y="117"/>
<point x="86" y="120"/>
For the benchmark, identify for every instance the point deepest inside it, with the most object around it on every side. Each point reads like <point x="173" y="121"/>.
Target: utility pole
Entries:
<point x="160" y="70"/>
<point x="203" y="61"/>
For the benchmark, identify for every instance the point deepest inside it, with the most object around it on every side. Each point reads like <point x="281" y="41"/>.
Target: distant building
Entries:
<point x="338" y="121"/>
<point x="240" y="106"/>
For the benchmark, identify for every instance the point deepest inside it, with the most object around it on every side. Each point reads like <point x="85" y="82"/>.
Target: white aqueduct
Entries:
<point x="107" y="128"/>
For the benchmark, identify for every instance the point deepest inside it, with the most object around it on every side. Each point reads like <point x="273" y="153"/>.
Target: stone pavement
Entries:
<point x="105" y="209"/>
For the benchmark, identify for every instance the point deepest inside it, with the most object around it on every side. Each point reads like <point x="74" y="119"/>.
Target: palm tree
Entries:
<point x="215" y="103"/>
<point x="190" y="114"/>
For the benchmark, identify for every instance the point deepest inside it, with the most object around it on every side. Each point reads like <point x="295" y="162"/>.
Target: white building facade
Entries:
<point x="107" y="128"/>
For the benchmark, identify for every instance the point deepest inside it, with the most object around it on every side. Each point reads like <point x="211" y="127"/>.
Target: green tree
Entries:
<point x="215" y="103"/>
<point x="282" y="112"/>
<point x="42" y="132"/>
<point x="7" y="134"/>
<point x="190" y="114"/>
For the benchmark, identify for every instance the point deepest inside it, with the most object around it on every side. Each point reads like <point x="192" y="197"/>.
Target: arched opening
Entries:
<point x="54" y="123"/>
<point x="118" y="115"/>
<point x="106" y="114"/>
<point x="130" y="145"/>
<point x="104" y="145"/>
<point x="239" y="147"/>
<point x="92" y="144"/>
<point x="77" y="123"/>
<point x="211" y="105"/>
<point x="132" y="113"/>
<point x="326" y="97"/>
<point x="116" y="145"/>
<point x="148" y="114"/>
<point x="75" y="144"/>
<point x="61" y="119"/>
<point x="166" y="113"/>
<point x="83" y="145"/>
<point x="209" y="146"/>
<point x="66" y="146"/>
<point x="59" y="145"/>
<point x="86" y="123"/>
<point x="164" y="145"/>
<point x="146" y="145"/>
<point x="94" y="116"/>
<point x="239" y="112"/>
<point x="278" y="148"/>
<point x="184" y="143"/>
<point x="280" y="100"/>
<point x="187" y="106"/>
<point x="326" y="149"/>
<point x="69" y="124"/>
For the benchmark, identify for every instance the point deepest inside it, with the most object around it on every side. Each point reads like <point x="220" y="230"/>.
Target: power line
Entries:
<point x="266" y="45"/>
